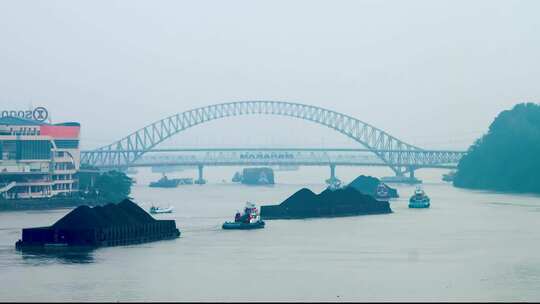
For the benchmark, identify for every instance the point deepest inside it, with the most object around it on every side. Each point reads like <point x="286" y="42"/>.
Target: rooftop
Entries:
<point x="17" y="121"/>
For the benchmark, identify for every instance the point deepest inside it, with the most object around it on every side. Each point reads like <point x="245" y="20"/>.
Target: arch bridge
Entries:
<point x="400" y="156"/>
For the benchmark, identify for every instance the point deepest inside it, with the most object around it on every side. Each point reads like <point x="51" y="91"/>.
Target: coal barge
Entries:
<point x="373" y="186"/>
<point x="110" y="225"/>
<point x="330" y="203"/>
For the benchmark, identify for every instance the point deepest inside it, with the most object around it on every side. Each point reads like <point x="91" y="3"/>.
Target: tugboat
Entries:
<point x="250" y="219"/>
<point x="156" y="210"/>
<point x="419" y="199"/>
<point x="164" y="182"/>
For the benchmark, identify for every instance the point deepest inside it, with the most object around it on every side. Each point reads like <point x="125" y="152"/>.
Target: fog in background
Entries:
<point x="432" y="73"/>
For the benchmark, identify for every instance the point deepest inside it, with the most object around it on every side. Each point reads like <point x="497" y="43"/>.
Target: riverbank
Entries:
<point x="47" y="204"/>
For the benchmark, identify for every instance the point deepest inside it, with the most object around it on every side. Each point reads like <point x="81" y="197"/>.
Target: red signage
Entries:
<point x="60" y="131"/>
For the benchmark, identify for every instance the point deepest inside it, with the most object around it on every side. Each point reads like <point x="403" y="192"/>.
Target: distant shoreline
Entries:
<point x="45" y="204"/>
<point x="496" y="191"/>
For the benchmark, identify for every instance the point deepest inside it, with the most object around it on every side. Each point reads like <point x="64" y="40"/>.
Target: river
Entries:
<point x="470" y="245"/>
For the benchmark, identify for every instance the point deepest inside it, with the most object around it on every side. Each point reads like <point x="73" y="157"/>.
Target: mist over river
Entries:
<point x="470" y="245"/>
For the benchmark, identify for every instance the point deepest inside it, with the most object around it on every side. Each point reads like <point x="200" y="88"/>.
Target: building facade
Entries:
<point x="37" y="159"/>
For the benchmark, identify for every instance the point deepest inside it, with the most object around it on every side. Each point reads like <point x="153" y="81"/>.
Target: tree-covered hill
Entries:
<point x="507" y="158"/>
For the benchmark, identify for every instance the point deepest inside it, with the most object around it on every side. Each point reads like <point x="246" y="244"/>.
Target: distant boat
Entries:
<point x="156" y="210"/>
<point x="164" y="182"/>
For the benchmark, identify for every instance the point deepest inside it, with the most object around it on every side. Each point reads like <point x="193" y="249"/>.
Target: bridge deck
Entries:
<point x="277" y="156"/>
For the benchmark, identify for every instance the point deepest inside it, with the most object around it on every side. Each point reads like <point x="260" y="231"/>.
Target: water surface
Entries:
<point x="470" y="245"/>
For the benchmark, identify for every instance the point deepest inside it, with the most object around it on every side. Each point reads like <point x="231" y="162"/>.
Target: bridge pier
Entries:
<point x="402" y="177"/>
<point x="411" y="173"/>
<point x="333" y="181"/>
<point x="200" y="180"/>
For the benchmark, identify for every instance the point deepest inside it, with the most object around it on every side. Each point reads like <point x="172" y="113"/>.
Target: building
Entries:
<point x="37" y="159"/>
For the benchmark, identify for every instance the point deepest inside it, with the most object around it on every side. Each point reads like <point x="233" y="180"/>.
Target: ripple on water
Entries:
<point x="469" y="246"/>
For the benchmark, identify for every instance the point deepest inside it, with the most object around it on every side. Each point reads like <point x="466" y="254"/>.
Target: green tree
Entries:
<point x="110" y="186"/>
<point x="507" y="158"/>
<point x="113" y="186"/>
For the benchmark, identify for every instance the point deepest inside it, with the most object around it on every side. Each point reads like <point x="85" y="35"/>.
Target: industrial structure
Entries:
<point x="38" y="159"/>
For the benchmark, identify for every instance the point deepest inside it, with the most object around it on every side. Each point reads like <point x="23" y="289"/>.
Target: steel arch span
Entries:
<point x="392" y="151"/>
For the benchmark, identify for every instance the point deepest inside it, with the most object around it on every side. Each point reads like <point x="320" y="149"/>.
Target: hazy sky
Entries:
<point x="433" y="73"/>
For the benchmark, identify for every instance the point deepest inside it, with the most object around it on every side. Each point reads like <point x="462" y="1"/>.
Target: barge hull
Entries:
<point x="112" y="236"/>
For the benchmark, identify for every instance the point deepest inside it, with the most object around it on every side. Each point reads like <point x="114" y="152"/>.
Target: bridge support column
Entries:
<point x="412" y="178"/>
<point x="401" y="176"/>
<point x="200" y="180"/>
<point x="333" y="181"/>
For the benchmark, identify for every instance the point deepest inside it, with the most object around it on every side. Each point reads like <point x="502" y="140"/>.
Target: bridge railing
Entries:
<point x="305" y="157"/>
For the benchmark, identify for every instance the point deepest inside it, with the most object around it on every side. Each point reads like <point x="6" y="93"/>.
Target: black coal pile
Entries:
<point x="125" y="213"/>
<point x="373" y="186"/>
<point x="109" y="225"/>
<point x="329" y="203"/>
